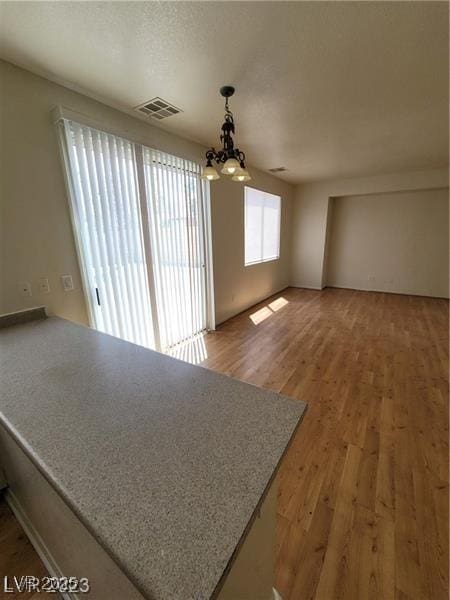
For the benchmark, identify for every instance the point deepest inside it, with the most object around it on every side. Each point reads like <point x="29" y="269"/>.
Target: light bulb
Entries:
<point x="242" y="175"/>
<point x="230" y="167"/>
<point x="210" y="174"/>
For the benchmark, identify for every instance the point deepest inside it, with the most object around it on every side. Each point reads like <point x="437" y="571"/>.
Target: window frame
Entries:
<point x="262" y="259"/>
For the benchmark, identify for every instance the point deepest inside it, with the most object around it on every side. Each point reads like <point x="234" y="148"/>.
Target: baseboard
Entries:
<point x="37" y="542"/>
<point x="252" y="304"/>
<point x="306" y="287"/>
<point x="375" y="291"/>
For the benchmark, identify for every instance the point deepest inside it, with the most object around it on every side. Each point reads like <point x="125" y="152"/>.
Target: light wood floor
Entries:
<point x="17" y="555"/>
<point x="363" y="502"/>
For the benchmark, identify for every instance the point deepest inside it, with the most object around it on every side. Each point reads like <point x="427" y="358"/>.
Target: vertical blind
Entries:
<point x="106" y="212"/>
<point x="114" y="215"/>
<point x="178" y="245"/>
<point x="262" y="226"/>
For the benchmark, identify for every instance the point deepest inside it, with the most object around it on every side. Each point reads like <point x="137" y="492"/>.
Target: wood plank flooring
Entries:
<point x="17" y="555"/>
<point x="363" y="500"/>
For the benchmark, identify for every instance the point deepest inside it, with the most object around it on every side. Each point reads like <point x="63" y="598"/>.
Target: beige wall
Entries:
<point x="238" y="287"/>
<point x="390" y="242"/>
<point x="36" y="233"/>
<point x="312" y="216"/>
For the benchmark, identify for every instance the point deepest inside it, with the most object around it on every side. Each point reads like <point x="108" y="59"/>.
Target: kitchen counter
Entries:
<point x="165" y="463"/>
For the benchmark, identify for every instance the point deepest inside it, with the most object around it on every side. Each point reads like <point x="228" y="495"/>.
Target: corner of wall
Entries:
<point x="308" y="235"/>
<point x="312" y="214"/>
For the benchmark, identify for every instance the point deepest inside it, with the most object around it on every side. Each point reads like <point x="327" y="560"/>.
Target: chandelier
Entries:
<point x="232" y="158"/>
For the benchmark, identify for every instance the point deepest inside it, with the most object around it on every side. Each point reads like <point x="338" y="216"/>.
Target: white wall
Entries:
<point x="312" y="216"/>
<point x="36" y="235"/>
<point x="390" y="242"/>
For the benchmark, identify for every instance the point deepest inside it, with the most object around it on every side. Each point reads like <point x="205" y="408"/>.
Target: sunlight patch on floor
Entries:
<point x="261" y="315"/>
<point x="192" y="351"/>
<point x="278" y="303"/>
<point x="266" y="311"/>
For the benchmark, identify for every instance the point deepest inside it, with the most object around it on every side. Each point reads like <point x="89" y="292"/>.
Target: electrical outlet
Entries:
<point x="24" y="288"/>
<point x="44" y="286"/>
<point x="67" y="283"/>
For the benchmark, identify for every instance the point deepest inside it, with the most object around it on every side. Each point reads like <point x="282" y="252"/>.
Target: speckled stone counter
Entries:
<point x="164" y="462"/>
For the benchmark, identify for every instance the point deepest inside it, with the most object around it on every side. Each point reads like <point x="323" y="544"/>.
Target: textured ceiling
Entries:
<point x="325" y="89"/>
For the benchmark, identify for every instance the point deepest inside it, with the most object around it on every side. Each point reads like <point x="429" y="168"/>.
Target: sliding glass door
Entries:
<point x="140" y="224"/>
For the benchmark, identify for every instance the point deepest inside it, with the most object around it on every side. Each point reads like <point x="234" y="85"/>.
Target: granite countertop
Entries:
<point x="164" y="462"/>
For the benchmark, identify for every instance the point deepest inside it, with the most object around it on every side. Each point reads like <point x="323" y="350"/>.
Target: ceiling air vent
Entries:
<point x="278" y="170"/>
<point x="158" y="109"/>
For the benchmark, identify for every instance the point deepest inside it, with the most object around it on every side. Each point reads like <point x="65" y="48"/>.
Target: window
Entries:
<point x="262" y="226"/>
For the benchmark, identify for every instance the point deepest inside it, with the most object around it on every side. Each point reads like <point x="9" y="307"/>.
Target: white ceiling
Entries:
<point x="325" y="89"/>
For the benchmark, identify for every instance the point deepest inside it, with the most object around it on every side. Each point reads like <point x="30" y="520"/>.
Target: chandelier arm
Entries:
<point x="241" y="157"/>
<point x="221" y="156"/>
